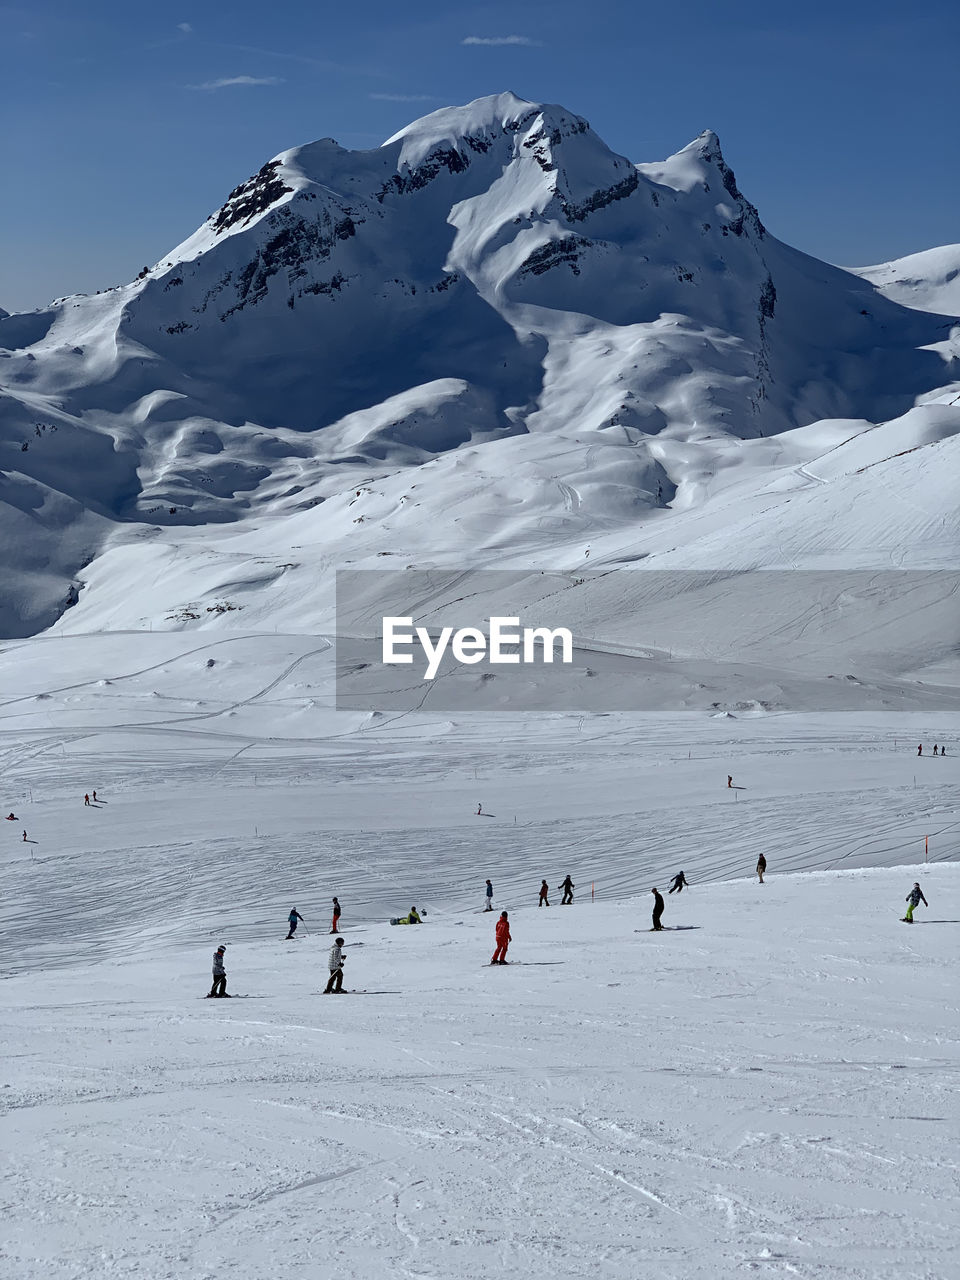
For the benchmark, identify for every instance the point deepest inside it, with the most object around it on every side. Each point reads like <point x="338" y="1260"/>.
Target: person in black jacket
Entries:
<point x="914" y="898"/>
<point x="568" y="887"/>
<point x="679" y="880"/>
<point x="761" y="867"/>
<point x="657" y="908"/>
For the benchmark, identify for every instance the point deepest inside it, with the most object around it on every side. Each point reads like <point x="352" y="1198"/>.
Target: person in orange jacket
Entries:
<point x="503" y="940"/>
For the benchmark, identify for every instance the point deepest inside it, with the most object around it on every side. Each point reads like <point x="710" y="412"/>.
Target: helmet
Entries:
<point x="338" y="941"/>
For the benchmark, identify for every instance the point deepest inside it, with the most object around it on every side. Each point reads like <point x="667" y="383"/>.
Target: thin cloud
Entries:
<point x="185" y="27"/>
<point x="402" y="97"/>
<point x="499" y="40"/>
<point x="324" y="63"/>
<point x="228" y="81"/>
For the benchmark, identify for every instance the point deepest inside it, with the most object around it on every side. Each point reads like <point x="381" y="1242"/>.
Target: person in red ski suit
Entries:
<point x="503" y="940"/>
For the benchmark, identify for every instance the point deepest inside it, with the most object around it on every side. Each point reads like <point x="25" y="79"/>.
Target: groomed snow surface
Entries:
<point x="767" y="1088"/>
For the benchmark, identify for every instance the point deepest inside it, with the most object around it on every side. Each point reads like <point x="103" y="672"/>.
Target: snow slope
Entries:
<point x="766" y="1087"/>
<point x="927" y="281"/>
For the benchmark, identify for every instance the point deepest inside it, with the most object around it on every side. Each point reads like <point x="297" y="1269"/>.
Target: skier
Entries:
<point x="943" y="752"/>
<point x="503" y="940"/>
<point x="679" y="881"/>
<point x="489" y="892"/>
<point x="568" y="887"/>
<point x="657" y="908"/>
<point x="94" y="797"/>
<point x="914" y="897"/>
<point x="761" y="867"/>
<point x="544" y="890"/>
<point x="294" y="918"/>
<point x="219" y="988"/>
<point x="336" y="915"/>
<point x="729" y="779"/>
<point x="920" y="749"/>
<point x="935" y="749"/>
<point x="86" y="799"/>
<point x="24" y="837"/>
<point x="479" y="808"/>
<point x="335" y="981"/>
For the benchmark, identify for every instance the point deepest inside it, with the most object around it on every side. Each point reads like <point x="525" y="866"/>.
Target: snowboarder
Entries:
<point x="943" y="752"/>
<point x="657" y="908"/>
<point x="679" y="880"/>
<point x="412" y="918"/>
<point x="94" y="797"/>
<point x="294" y="917"/>
<point x="479" y="808"/>
<point x="12" y="817"/>
<point x="219" y="988"/>
<point x="761" y="867"/>
<point x="914" y="897"/>
<point x="503" y="940"/>
<point x="335" y="981"/>
<point x="935" y="749"/>
<point x="336" y="915"/>
<point x="568" y="887"/>
<point x="24" y="837"/>
<point x="86" y="800"/>
<point x="544" y="891"/>
<point x="729" y="779"/>
<point x="920" y="749"/>
<point x="489" y="893"/>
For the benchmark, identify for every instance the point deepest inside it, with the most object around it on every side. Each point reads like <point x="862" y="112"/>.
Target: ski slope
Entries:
<point x="768" y="1086"/>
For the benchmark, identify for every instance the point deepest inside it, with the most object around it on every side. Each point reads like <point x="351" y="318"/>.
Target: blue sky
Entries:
<point x="127" y="123"/>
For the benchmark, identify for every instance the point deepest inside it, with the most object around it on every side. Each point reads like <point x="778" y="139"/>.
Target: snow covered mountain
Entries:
<point x="489" y="338"/>
<point x="928" y="281"/>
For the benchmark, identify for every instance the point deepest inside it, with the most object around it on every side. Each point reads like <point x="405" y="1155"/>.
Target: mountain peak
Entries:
<point x="483" y="119"/>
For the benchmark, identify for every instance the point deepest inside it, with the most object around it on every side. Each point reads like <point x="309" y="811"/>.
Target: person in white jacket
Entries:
<point x="335" y="984"/>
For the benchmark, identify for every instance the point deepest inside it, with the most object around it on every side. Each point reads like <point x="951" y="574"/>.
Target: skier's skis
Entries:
<point x="233" y="995"/>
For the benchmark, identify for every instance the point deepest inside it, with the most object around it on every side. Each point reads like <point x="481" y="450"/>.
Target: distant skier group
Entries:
<point x="296" y="918"/>
<point x="502" y="930"/>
